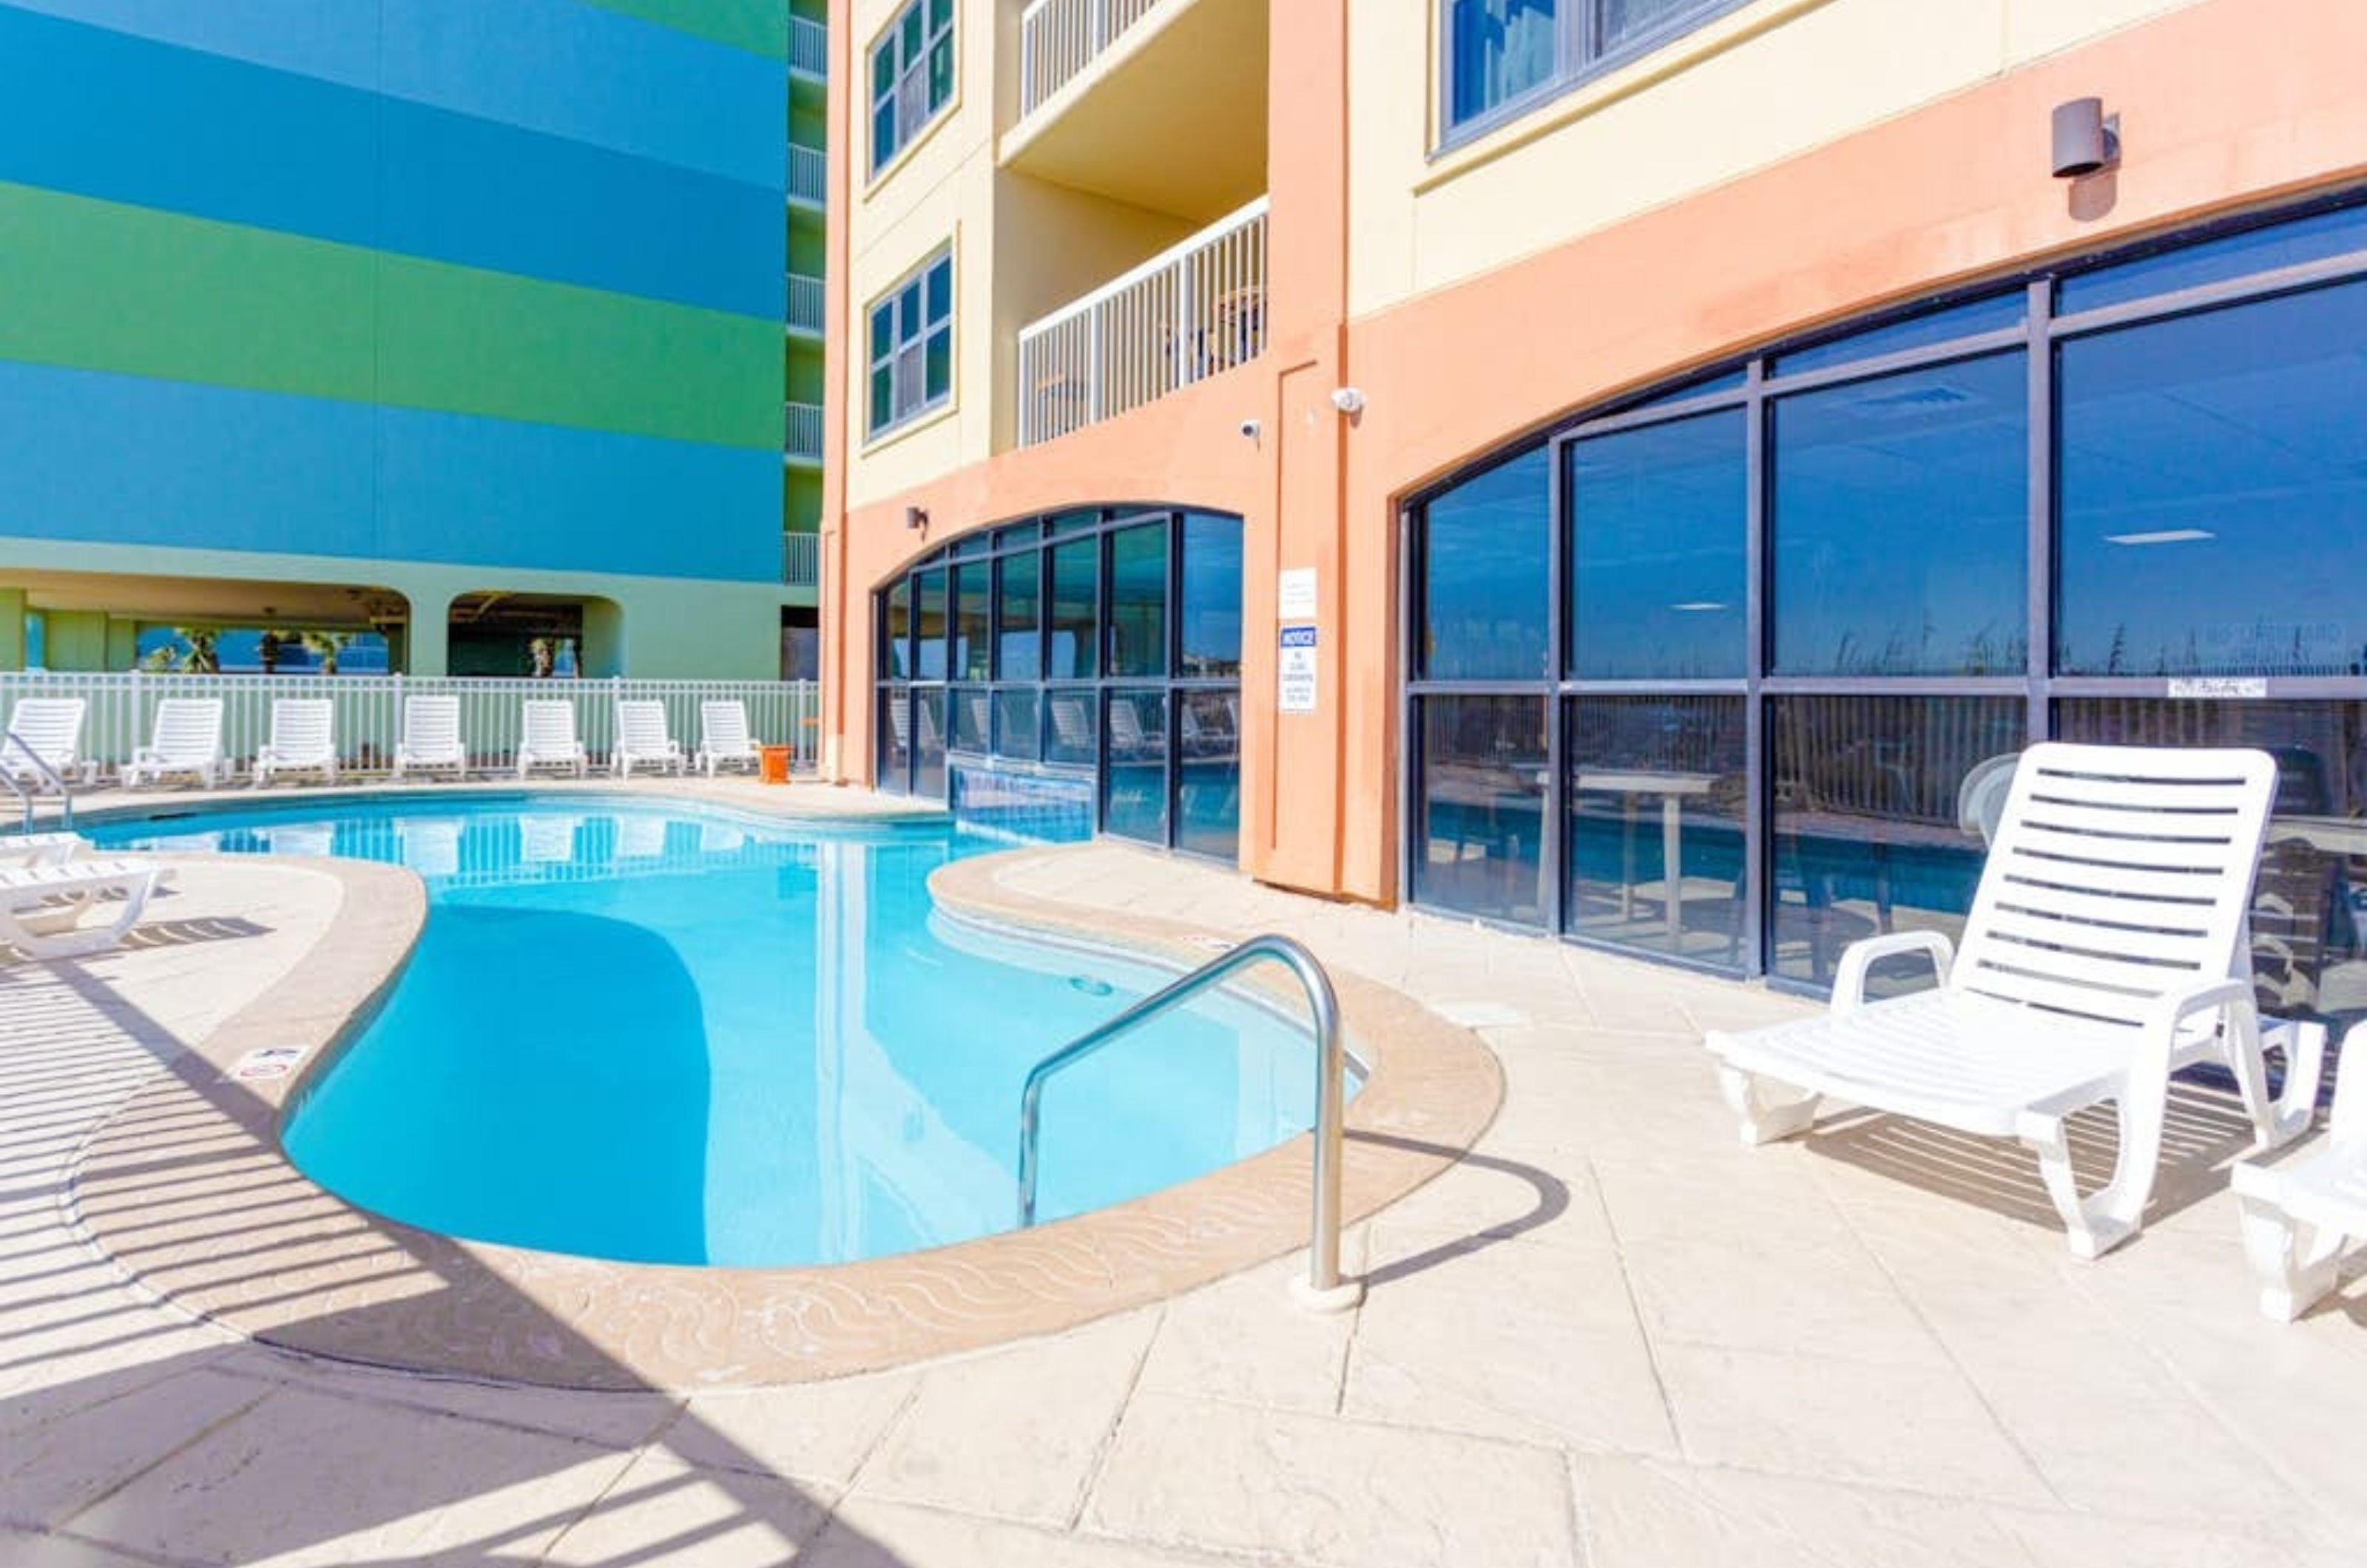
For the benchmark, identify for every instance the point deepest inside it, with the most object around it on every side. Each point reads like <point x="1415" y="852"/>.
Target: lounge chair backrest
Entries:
<point x="431" y="725"/>
<point x="1070" y="724"/>
<point x="549" y="726"/>
<point x="723" y="726"/>
<point x="52" y="726"/>
<point x="303" y="727"/>
<point x="641" y="727"/>
<point x="2117" y="873"/>
<point x="188" y="728"/>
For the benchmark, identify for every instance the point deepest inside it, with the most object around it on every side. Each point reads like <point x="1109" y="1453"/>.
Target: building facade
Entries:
<point x="1674" y="443"/>
<point x="440" y="330"/>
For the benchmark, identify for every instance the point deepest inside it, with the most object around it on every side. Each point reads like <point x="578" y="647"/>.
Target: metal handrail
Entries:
<point x="1324" y="1287"/>
<point x="50" y="775"/>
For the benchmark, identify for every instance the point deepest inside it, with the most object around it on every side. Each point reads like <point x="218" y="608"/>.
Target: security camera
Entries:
<point x="1349" y="401"/>
<point x="1253" y="428"/>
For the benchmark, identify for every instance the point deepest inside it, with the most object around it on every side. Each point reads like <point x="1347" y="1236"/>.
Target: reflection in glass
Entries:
<point x="1208" y="780"/>
<point x="929" y="623"/>
<point x="1134" y="790"/>
<point x="1900" y="523"/>
<point x="1928" y="330"/>
<point x="1076" y="598"/>
<point x="893" y="736"/>
<point x="1658" y="547"/>
<point x="1138" y="614"/>
<point x="1481" y="817"/>
<point x="1497" y="50"/>
<point x="1212" y="596"/>
<point x="1016" y="719"/>
<point x="2309" y="906"/>
<point x="1018" y="603"/>
<point x="1865" y="820"/>
<point x="896" y="633"/>
<point x="971" y="711"/>
<point x="2339" y="232"/>
<point x="1657" y="784"/>
<point x="1071" y="726"/>
<point x="2214" y="474"/>
<point x="971" y="601"/>
<point x="929" y="742"/>
<point x="1485" y="580"/>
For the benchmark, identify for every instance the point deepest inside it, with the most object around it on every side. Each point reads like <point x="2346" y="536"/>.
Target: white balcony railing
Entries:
<point x="801" y="436"/>
<point x="802" y="559"/>
<point x="1180" y="317"/>
<point x="121" y="710"/>
<point x="809" y="174"/>
<point x="809" y="46"/>
<point x="1057" y="38"/>
<point x="804" y="303"/>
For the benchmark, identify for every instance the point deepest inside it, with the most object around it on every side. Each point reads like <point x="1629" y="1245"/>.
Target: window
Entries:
<point x="1502" y="53"/>
<point x="1017" y="652"/>
<point x="1212" y="597"/>
<point x="1481" y="811"/>
<point x="912" y="76"/>
<point x="1486" y="580"/>
<point x="1137" y="617"/>
<point x="1657" y="557"/>
<point x="912" y="345"/>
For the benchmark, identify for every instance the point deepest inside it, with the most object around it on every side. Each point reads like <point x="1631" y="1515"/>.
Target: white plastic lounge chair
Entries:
<point x="187" y="740"/>
<point x="303" y="740"/>
<point x="431" y="737"/>
<point x="2297" y="1217"/>
<point x="51" y="729"/>
<point x="40" y="849"/>
<point x="1980" y="799"/>
<point x="547" y="738"/>
<point x="1127" y="738"/>
<point x="723" y="736"/>
<point x="41" y="907"/>
<point x="642" y="737"/>
<point x="2105" y="948"/>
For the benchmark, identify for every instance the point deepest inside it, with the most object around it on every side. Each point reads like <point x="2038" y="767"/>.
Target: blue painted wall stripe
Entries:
<point x="222" y="139"/>
<point x="126" y="460"/>
<point x="559" y="66"/>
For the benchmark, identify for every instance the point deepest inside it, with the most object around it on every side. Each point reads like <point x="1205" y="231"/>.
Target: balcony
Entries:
<point x="805" y="306"/>
<point x="1187" y="313"/>
<point x="1160" y="104"/>
<point x="801" y="437"/>
<point x="809" y="177"/>
<point x="809" y="49"/>
<point x="802" y="559"/>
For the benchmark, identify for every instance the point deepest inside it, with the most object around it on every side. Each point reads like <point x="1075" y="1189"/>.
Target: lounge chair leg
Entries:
<point x="2296" y="1104"/>
<point x="2116" y="1211"/>
<point x="2294" y="1264"/>
<point x="1768" y="1114"/>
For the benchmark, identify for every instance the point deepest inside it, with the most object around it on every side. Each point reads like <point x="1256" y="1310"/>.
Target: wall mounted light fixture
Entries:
<point x="916" y="518"/>
<point x="2087" y="139"/>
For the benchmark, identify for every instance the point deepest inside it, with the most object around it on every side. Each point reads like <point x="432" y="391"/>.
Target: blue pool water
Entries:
<point x="660" y="1033"/>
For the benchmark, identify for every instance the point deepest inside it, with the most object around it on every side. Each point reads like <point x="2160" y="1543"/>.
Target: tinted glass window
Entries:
<point x="1659" y="579"/>
<point x="929" y="741"/>
<point x="1487" y="576"/>
<point x="1212" y="596"/>
<point x="894" y="739"/>
<point x="971" y="600"/>
<point x="2341" y="232"/>
<point x="929" y="622"/>
<point x="1133" y="797"/>
<point x="971" y="711"/>
<point x="1208" y="774"/>
<point x="1138" y="614"/>
<point x="1019" y="602"/>
<point x="912" y="75"/>
<point x="1016" y="720"/>
<point x="895" y="631"/>
<point x="1076" y="597"/>
<point x="1482" y="812"/>
<point x="1497" y="50"/>
<point x="1900" y="523"/>
<point x="2213" y="500"/>
<point x="1071" y="722"/>
<point x="1986" y="315"/>
<point x="1865" y="820"/>
<point x="1656" y="794"/>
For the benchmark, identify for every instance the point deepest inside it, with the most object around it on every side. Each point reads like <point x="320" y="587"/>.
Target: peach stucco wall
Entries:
<point x="2223" y="104"/>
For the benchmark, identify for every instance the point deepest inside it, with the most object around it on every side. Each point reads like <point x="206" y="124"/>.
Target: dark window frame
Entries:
<point x="1579" y="57"/>
<point x="913" y="338"/>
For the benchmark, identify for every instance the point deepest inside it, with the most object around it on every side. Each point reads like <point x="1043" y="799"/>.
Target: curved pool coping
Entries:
<point x="187" y="1188"/>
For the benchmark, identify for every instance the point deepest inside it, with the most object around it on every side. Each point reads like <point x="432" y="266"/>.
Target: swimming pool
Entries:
<point x="662" y="1032"/>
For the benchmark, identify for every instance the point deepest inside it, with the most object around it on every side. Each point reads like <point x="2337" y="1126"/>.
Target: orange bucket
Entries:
<point x="773" y="764"/>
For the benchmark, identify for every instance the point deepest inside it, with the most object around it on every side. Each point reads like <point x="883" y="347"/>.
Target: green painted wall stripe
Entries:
<point x="102" y="286"/>
<point x="761" y="27"/>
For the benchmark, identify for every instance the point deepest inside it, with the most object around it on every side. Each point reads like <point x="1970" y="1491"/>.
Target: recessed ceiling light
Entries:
<point x="1699" y="604"/>
<point x="2164" y="537"/>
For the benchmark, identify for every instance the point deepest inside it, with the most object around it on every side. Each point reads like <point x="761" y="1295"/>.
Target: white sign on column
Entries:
<point x="1295" y="595"/>
<point x="1294" y="672"/>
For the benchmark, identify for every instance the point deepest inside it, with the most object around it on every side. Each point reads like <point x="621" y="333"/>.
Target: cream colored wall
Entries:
<point x="1755" y="88"/>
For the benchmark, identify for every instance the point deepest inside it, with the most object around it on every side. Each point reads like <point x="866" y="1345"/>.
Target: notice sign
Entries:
<point x="269" y="1062"/>
<point x="2245" y="686"/>
<point x="1295" y="593"/>
<point x="1295" y="678"/>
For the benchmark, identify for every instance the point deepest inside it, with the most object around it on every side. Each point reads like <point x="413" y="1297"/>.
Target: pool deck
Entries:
<point x="1608" y="1336"/>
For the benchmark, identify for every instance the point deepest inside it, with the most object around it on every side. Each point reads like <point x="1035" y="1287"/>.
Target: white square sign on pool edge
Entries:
<point x="1294" y="672"/>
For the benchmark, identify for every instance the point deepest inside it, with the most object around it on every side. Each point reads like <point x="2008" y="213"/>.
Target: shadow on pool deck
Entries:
<point x="218" y="1452"/>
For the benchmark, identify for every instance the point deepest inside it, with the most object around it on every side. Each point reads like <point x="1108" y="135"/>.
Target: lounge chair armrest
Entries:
<point x="2231" y="996"/>
<point x="1859" y="958"/>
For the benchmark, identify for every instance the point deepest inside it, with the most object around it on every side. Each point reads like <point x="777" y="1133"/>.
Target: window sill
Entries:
<point x="911" y="149"/>
<point x="912" y="424"/>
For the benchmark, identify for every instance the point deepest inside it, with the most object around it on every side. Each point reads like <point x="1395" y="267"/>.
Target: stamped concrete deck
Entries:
<point x="1608" y="1336"/>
